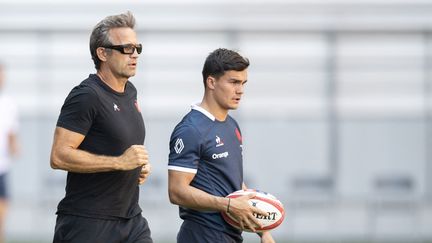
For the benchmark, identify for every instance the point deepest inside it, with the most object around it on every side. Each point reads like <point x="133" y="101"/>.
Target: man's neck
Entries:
<point x="214" y="109"/>
<point x="117" y="84"/>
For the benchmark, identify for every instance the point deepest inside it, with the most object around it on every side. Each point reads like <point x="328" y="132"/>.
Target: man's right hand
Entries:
<point x="133" y="157"/>
<point x="244" y="212"/>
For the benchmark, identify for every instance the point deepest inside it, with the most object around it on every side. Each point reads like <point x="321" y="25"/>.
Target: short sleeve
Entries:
<point x="79" y="110"/>
<point x="185" y="147"/>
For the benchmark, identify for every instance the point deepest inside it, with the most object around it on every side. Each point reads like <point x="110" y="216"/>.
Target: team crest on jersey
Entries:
<point x="219" y="141"/>
<point x="116" y="107"/>
<point x="179" y="146"/>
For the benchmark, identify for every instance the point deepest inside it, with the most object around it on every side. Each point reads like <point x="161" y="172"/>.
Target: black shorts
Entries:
<point x="191" y="232"/>
<point x="76" y="229"/>
<point x="3" y="187"/>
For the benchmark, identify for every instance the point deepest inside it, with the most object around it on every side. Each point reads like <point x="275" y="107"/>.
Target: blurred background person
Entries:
<point x="8" y="145"/>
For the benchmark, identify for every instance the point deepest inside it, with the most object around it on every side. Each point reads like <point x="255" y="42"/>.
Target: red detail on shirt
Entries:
<point x="137" y="106"/>
<point x="239" y="136"/>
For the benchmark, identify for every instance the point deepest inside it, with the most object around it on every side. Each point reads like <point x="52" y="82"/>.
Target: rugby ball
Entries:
<point x="264" y="201"/>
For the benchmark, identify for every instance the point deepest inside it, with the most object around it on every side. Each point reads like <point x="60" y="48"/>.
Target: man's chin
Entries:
<point x="128" y="75"/>
<point x="234" y="107"/>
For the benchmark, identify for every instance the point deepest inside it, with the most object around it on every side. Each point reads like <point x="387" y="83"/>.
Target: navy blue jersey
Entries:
<point x="213" y="151"/>
<point x="111" y="123"/>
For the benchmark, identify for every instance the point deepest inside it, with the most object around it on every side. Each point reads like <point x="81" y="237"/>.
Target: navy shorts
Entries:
<point x="76" y="229"/>
<point x="191" y="232"/>
<point x="3" y="187"/>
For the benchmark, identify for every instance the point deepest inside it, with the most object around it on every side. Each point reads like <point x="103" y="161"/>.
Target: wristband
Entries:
<point x="229" y="201"/>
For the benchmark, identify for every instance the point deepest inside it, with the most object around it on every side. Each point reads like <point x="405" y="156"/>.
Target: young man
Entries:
<point x="99" y="140"/>
<point x="205" y="161"/>
<point x="8" y="146"/>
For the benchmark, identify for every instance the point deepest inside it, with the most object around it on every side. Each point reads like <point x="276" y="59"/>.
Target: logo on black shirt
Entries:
<point x="116" y="107"/>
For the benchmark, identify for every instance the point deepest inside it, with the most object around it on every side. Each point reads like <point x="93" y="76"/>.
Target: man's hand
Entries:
<point x="244" y="212"/>
<point x="145" y="172"/>
<point x="133" y="157"/>
<point x="266" y="237"/>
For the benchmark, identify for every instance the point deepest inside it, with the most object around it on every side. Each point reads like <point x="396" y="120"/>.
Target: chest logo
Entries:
<point x="219" y="141"/>
<point x="179" y="146"/>
<point x="220" y="156"/>
<point x="116" y="107"/>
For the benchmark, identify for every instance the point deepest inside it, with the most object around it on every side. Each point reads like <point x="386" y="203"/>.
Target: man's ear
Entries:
<point x="102" y="54"/>
<point x="211" y="82"/>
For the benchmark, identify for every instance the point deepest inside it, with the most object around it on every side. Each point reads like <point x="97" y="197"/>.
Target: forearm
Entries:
<point x="266" y="237"/>
<point x="76" y="160"/>
<point x="191" y="197"/>
<point x="244" y="187"/>
<point x="13" y="144"/>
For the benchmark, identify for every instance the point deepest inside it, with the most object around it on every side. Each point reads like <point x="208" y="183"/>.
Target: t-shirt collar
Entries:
<point x="202" y="110"/>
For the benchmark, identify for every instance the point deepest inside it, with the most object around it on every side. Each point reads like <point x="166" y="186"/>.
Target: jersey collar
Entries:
<point x="204" y="111"/>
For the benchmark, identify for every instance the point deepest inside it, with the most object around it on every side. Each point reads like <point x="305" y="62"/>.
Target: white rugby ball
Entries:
<point x="264" y="201"/>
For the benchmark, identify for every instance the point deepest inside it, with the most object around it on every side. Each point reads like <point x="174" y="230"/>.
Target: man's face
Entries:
<point x="229" y="89"/>
<point x="122" y="65"/>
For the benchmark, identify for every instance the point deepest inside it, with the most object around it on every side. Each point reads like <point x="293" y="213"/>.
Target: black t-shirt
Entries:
<point x="111" y="123"/>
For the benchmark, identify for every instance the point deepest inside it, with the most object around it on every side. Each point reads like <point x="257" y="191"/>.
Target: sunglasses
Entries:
<point x="126" y="48"/>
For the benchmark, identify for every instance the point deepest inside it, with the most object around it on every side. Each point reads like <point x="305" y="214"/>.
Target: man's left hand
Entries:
<point x="266" y="237"/>
<point x="145" y="172"/>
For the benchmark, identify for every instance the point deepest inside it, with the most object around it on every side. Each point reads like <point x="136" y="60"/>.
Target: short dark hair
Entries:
<point x="100" y="34"/>
<point x="221" y="60"/>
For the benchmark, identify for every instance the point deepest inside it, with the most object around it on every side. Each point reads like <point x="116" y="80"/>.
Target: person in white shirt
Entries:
<point x="8" y="145"/>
